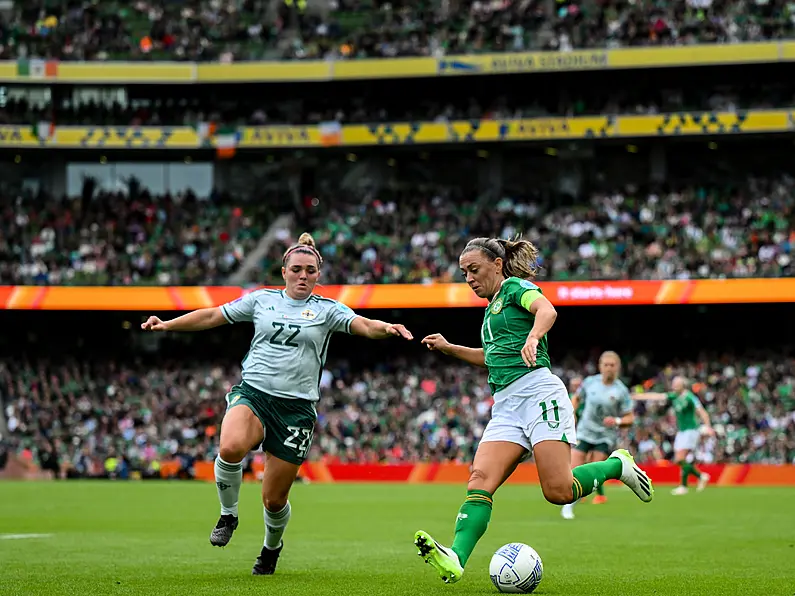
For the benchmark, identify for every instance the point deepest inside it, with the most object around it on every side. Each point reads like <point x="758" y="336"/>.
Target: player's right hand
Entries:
<point x="154" y="324"/>
<point x="436" y="341"/>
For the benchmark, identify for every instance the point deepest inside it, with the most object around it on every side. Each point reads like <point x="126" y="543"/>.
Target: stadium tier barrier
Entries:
<point x="141" y="72"/>
<point x="662" y="472"/>
<point x="227" y="140"/>
<point x="441" y="295"/>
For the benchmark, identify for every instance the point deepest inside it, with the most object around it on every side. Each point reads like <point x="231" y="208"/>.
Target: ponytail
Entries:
<point x="519" y="257"/>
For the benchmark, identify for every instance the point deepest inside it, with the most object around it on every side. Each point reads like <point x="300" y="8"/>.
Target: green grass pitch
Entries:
<point x="350" y="539"/>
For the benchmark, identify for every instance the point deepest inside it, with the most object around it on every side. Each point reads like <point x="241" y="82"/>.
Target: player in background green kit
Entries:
<point x="532" y="411"/>
<point x="274" y="404"/>
<point x="690" y="416"/>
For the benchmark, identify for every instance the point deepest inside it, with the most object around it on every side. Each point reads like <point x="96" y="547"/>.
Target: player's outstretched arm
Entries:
<point x="649" y="396"/>
<point x="437" y="342"/>
<point x="372" y="329"/>
<point x="198" y="320"/>
<point x="704" y="415"/>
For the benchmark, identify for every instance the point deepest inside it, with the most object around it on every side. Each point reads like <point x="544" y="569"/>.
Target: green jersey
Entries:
<point x="506" y="325"/>
<point x="686" y="406"/>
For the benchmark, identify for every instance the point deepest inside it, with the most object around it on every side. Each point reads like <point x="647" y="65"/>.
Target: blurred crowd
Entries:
<point x="408" y="235"/>
<point x="237" y="30"/>
<point x="416" y="236"/>
<point x="84" y="414"/>
<point x="262" y="109"/>
<point x="126" y="238"/>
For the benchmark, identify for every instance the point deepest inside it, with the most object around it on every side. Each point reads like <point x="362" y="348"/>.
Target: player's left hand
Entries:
<point x="530" y="351"/>
<point x="609" y="421"/>
<point x="709" y="431"/>
<point x="399" y="330"/>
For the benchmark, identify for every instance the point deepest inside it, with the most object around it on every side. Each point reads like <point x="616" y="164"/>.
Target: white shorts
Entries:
<point x="532" y="409"/>
<point x="686" y="439"/>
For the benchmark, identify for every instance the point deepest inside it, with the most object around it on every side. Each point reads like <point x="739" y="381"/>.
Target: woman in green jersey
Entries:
<point x="532" y="411"/>
<point x="274" y="404"/>
<point x="691" y="418"/>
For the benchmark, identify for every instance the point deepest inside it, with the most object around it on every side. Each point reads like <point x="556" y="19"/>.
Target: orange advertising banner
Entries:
<point x="661" y="472"/>
<point x="576" y="293"/>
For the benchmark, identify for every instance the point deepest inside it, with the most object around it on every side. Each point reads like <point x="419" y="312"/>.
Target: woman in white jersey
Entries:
<point x="603" y="404"/>
<point x="532" y="410"/>
<point x="279" y="387"/>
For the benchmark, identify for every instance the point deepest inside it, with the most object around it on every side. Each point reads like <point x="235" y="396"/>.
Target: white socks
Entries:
<point x="228" y="478"/>
<point x="275" y="524"/>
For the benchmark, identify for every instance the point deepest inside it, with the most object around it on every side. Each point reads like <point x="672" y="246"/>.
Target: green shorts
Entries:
<point x="288" y="424"/>
<point x="586" y="447"/>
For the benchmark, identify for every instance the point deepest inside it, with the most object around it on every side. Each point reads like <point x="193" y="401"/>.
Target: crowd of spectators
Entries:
<point x="413" y="235"/>
<point x="127" y="238"/>
<point x="236" y="30"/>
<point x="416" y="235"/>
<point x="87" y="413"/>
<point x="255" y="110"/>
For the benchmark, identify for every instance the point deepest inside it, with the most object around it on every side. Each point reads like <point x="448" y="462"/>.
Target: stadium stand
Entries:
<point x="408" y="410"/>
<point x="339" y="29"/>
<point x="409" y="236"/>
<point x="127" y="238"/>
<point x="178" y="107"/>
<point x="683" y="233"/>
<point x="719" y="204"/>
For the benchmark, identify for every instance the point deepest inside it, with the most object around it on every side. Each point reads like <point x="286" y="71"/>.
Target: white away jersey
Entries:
<point x="291" y="339"/>
<point x="601" y="401"/>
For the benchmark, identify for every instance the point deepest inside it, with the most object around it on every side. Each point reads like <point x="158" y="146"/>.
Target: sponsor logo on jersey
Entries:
<point x="308" y="314"/>
<point x="496" y="308"/>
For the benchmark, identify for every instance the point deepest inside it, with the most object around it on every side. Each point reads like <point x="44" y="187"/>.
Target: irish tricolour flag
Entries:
<point x="226" y="140"/>
<point x="37" y="69"/>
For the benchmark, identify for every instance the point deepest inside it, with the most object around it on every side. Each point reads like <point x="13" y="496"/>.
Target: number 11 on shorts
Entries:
<point x="545" y="411"/>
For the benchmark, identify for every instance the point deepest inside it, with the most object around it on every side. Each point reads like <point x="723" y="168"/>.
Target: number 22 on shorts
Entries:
<point x="304" y="435"/>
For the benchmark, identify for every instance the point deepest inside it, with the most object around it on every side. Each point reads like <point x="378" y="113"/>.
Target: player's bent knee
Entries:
<point x="478" y="480"/>
<point x="233" y="452"/>
<point x="274" y="505"/>
<point x="558" y="494"/>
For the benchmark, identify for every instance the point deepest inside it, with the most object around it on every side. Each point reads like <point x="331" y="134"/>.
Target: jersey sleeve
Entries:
<point x="523" y="292"/>
<point x="694" y="400"/>
<point x="340" y="317"/>
<point x="671" y="396"/>
<point x="582" y="390"/>
<point x="240" y="310"/>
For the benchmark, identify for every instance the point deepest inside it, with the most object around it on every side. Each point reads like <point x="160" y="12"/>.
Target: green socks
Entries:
<point x="687" y="470"/>
<point x="600" y="490"/>
<point x="471" y="523"/>
<point x="589" y="477"/>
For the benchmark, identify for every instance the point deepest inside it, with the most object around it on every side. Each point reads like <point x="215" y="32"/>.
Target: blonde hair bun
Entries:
<point x="306" y="239"/>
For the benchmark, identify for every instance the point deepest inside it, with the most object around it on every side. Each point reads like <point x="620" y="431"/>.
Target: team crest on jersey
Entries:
<point x="308" y="314"/>
<point x="496" y="308"/>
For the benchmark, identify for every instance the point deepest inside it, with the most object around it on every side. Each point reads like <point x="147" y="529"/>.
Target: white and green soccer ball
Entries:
<point x="516" y="569"/>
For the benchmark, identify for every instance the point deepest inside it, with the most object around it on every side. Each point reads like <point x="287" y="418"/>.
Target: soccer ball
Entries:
<point x="516" y="569"/>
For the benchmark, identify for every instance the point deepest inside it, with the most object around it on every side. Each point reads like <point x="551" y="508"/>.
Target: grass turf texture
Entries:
<point x="152" y="538"/>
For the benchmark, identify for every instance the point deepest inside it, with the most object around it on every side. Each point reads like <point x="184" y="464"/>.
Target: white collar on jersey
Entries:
<point x="293" y="301"/>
